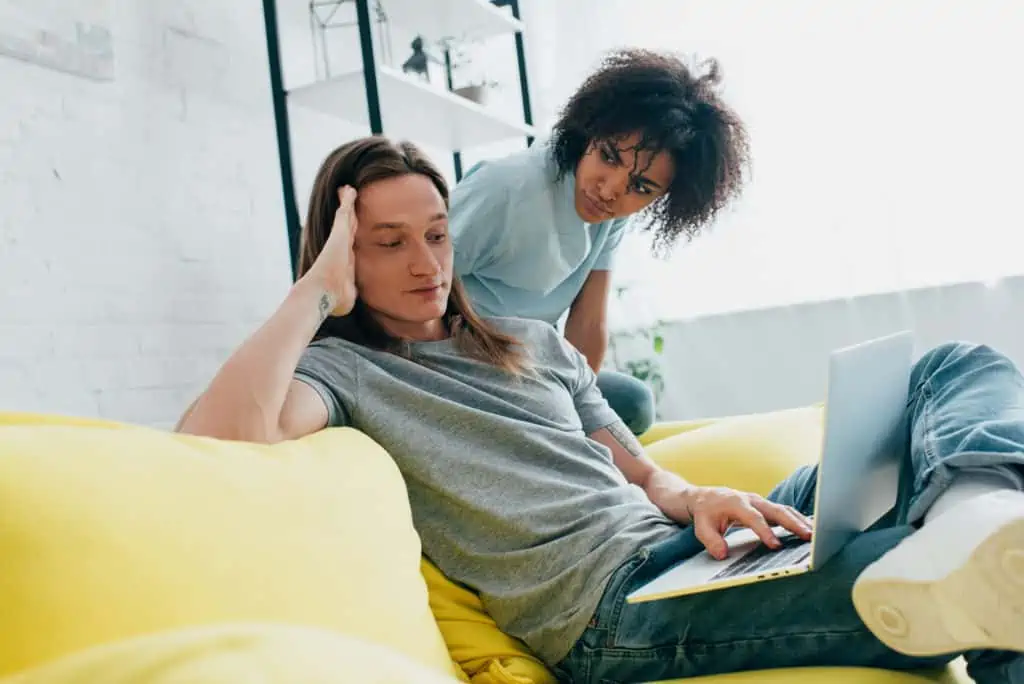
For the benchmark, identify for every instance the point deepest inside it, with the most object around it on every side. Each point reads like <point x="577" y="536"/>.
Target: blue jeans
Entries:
<point x="630" y="398"/>
<point x="966" y="410"/>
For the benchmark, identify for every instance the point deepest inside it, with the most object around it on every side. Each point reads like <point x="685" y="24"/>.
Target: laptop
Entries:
<point x="858" y="475"/>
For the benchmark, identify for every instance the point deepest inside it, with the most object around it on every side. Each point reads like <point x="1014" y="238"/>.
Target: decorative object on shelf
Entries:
<point x="476" y="92"/>
<point x="420" y="60"/>
<point x="475" y="87"/>
<point x="323" y="17"/>
<point x="355" y="79"/>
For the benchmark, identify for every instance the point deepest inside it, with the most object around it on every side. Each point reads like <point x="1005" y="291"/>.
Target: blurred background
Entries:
<point x="154" y="156"/>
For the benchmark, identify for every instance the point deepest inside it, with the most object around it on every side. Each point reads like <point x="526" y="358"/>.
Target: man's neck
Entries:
<point x="427" y="331"/>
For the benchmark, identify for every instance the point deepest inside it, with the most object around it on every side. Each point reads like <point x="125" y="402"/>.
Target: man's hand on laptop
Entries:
<point x="713" y="510"/>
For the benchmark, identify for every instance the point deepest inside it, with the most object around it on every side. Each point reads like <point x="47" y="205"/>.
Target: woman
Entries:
<point x="526" y="487"/>
<point x="536" y="233"/>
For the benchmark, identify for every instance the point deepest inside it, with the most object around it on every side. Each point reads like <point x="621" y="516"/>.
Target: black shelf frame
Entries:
<point x="279" y="96"/>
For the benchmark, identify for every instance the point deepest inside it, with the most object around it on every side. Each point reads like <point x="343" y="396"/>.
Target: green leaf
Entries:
<point x="659" y="343"/>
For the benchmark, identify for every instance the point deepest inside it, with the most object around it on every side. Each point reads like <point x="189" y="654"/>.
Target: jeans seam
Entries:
<point x="926" y="415"/>
<point x="634" y="652"/>
<point x="932" y="468"/>
<point x="611" y="627"/>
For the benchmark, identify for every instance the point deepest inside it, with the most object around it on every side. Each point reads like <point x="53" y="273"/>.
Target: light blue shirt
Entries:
<point x="521" y="249"/>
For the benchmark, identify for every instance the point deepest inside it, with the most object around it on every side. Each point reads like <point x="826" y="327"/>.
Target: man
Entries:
<point x="527" y="488"/>
<point x="536" y="233"/>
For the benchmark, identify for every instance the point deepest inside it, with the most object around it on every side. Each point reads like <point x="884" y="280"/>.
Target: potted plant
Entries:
<point x="642" y="361"/>
<point x="645" y="367"/>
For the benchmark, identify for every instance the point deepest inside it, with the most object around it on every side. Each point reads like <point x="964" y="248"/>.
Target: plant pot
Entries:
<point x="475" y="93"/>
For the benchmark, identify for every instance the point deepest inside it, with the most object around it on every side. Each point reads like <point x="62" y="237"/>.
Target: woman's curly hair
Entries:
<point x="675" y="109"/>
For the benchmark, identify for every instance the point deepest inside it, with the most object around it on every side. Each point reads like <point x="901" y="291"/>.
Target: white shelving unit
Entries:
<point x="459" y="19"/>
<point x="412" y="109"/>
<point x="387" y="101"/>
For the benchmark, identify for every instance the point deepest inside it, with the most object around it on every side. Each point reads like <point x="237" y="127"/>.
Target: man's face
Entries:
<point x="614" y="180"/>
<point x="403" y="257"/>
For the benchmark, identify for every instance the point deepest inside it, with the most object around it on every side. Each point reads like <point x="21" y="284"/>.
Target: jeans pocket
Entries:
<point x="657" y="559"/>
<point x="615" y="591"/>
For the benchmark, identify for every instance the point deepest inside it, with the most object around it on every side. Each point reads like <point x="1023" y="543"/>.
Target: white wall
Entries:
<point x="773" y="358"/>
<point x="141" y="229"/>
<point x="884" y="139"/>
<point x="142" y="234"/>
<point x="314" y="134"/>
<point x="886" y="159"/>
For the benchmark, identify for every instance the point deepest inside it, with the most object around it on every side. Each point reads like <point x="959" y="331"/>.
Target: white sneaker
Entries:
<point x="955" y="584"/>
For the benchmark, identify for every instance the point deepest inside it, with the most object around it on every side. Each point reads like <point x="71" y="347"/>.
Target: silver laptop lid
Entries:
<point x="864" y="439"/>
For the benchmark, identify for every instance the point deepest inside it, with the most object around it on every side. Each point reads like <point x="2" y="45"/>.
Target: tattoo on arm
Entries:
<point x="326" y="305"/>
<point x="626" y="438"/>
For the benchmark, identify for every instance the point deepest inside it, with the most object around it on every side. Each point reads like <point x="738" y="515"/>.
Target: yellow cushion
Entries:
<point x="25" y="419"/>
<point x="485" y="653"/>
<point x="832" y="675"/>
<point x="670" y="428"/>
<point x="752" y="453"/>
<point x="106" y="534"/>
<point x="749" y="452"/>
<point x="235" y="654"/>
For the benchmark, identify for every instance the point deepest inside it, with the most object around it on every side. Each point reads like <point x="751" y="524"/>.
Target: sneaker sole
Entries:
<point x="978" y="605"/>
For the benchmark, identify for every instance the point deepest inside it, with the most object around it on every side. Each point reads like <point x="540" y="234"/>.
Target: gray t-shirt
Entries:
<point x="509" y="495"/>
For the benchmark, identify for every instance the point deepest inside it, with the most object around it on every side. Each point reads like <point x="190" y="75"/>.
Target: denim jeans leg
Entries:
<point x="965" y="413"/>
<point x="966" y="410"/>
<point x="789" y="622"/>
<point x="631" y="399"/>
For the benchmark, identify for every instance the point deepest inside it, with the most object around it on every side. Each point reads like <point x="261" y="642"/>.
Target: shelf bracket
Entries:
<point x="524" y="85"/>
<point x="284" y="154"/>
<point x="369" y="66"/>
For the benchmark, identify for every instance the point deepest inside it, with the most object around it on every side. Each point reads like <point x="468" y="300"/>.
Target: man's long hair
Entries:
<point x="357" y="164"/>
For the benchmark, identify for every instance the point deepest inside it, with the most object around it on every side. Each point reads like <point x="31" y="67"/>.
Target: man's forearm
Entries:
<point x="666" y="490"/>
<point x="246" y="397"/>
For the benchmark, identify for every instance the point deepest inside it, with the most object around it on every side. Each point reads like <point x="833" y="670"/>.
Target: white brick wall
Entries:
<point x="141" y="229"/>
<point x="142" y="234"/>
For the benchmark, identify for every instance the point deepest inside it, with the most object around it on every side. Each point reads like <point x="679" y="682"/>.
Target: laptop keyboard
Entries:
<point x="794" y="550"/>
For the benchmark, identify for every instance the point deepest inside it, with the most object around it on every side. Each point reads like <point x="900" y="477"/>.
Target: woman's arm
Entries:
<point x="254" y="397"/>
<point x="586" y="325"/>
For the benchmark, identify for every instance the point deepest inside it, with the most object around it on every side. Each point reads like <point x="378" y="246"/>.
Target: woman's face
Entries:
<point x="614" y="180"/>
<point x="403" y="256"/>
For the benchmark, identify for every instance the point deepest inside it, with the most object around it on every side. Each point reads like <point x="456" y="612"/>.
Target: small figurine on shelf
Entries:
<point x="417" y="63"/>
